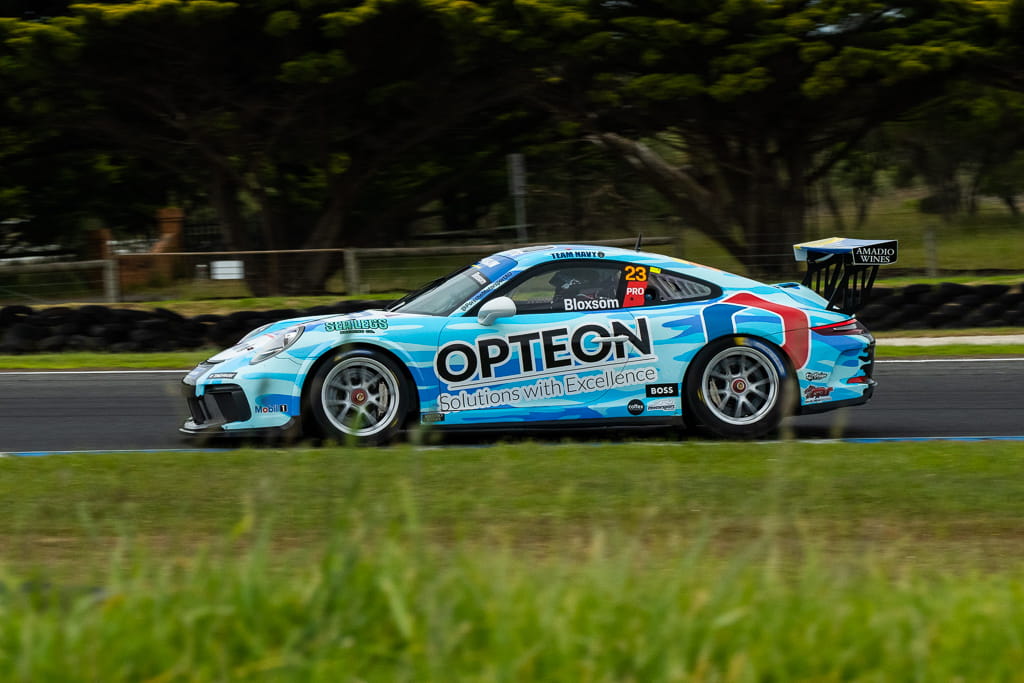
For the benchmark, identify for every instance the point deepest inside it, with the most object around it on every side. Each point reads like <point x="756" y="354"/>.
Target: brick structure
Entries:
<point x="143" y="269"/>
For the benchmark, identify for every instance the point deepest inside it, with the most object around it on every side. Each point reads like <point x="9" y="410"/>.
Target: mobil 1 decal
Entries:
<point x="545" y="363"/>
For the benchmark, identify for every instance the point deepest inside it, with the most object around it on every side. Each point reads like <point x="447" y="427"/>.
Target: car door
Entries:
<point x="570" y="342"/>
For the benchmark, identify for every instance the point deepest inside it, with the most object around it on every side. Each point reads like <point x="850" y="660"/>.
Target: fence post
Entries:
<point x="352" y="282"/>
<point x="931" y="250"/>
<point x="111" y="281"/>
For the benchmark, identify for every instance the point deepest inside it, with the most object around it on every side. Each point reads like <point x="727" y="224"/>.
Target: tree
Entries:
<point x="290" y="112"/>
<point x="749" y="102"/>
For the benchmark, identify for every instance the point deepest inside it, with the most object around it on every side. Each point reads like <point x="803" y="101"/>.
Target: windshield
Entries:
<point x="444" y="295"/>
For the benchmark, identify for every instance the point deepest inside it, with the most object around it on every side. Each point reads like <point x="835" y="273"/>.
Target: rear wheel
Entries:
<point x="739" y="388"/>
<point x="360" y="396"/>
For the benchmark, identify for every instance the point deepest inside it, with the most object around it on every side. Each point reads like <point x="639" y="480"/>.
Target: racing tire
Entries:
<point x="360" y="396"/>
<point x="739" y="388"/>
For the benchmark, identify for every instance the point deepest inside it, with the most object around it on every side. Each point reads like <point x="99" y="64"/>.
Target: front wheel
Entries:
<point x="739" y="388"/>
<point x="360" y="396"/>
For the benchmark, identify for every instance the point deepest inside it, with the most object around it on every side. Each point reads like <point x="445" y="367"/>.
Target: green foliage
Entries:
<point x="628" y="561"/>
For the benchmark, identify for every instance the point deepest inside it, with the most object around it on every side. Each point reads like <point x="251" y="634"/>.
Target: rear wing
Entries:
<point x="843" y="270"/>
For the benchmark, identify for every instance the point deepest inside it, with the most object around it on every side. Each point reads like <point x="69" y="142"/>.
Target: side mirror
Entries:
<point x="502" y="307"/>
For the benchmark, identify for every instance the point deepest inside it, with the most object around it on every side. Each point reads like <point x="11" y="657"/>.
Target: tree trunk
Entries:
<point x="225" y="200"/>
<point x="828" y="194"/>
<point x="764" y="193"/>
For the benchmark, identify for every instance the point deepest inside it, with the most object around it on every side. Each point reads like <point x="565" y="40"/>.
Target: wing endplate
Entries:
<point x="843" y="270"/>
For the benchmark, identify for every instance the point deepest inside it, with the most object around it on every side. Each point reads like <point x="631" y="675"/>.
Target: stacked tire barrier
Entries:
<point x="102" y="328"/>
<point x="947" y="305"/>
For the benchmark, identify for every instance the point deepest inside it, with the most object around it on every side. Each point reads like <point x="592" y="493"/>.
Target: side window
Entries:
<point x="569" y="287"/>
<point x="669" y="288"/>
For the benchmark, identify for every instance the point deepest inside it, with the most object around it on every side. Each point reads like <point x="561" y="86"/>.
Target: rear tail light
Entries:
<point x="851" y="326"/>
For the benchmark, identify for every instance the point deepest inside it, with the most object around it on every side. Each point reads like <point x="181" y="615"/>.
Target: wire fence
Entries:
<point x="242" y="274"/>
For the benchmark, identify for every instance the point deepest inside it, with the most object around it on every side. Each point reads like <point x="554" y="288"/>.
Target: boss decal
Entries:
<point x="655" y="390"/>
<point x="356" y="325"/>
<point x="541" y="352"/>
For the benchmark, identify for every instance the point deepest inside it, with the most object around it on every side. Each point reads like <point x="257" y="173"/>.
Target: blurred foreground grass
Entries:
<point x="542" y="499"/>
<point x="613" y="562"/>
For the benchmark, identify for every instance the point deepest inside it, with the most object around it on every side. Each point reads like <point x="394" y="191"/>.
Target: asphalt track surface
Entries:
<point x="45" y="412"/>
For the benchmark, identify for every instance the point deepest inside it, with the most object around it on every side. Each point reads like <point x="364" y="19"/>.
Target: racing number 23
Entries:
<point x="636" y="274"/>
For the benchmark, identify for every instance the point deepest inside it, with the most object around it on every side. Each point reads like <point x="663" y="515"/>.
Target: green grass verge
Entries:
<point x="950" y="351"/>
<point x="85" y="360"/>
<point x="627" y="561"/>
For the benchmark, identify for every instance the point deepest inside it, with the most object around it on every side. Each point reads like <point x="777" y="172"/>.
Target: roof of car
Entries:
<point x="535" y="255"/>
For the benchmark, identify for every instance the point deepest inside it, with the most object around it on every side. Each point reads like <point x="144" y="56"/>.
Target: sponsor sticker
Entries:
<point x="544" y="388"/>
<point x="655" y="390"/>
<point x="221" y="375"/>
<point x="356" y="325"/>
<point x="880" y="254"/>
<point x="577" y="254"/>
<point x="815" y="393"/>
<point x="546" y="351"/>
<point x="472" y="301"/>
<point x="589" y="304"/>
<point x="635" y="407"/>
<point x="429" y="418"/>
<point x="662" y="404"/>
<point x="815" y="375"/>
<point x="282" y="408"/>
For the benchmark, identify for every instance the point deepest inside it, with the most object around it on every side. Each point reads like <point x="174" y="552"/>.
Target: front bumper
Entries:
<point x="220" y="405"/>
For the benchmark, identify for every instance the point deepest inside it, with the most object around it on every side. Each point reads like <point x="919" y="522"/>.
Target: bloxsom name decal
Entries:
<point x="542" y="352"/>
<point x="589" y="304"/>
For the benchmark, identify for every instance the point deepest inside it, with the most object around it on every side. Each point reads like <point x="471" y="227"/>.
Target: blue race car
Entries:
<point x="564" y="335"/>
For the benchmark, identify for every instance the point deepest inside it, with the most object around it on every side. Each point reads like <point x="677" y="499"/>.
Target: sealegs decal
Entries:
<point x="356" y="325"/>
<point x="561" y="349"/>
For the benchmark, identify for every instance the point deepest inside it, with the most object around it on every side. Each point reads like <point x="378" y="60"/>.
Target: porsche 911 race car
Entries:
<point x="560" y="335"/>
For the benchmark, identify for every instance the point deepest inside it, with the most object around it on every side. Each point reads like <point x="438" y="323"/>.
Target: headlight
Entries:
<point x="276" y="343"/>
<point x="255" y="333"/>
